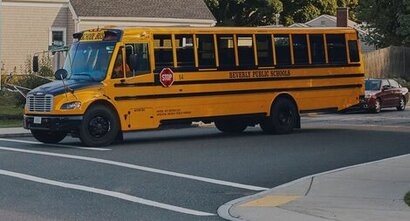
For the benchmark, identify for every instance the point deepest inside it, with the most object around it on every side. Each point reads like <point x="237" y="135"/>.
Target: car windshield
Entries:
<point x="372" y="85"/>
<point x="88" y="60"/>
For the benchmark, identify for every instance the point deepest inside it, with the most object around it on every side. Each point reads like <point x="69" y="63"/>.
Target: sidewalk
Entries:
<point x="14" y="132"/>
<point x="367" y="192"/>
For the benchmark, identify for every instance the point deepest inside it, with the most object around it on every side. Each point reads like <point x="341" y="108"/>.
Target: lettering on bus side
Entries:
<point x="171" y="112"/>
<point x="258" y="74"/>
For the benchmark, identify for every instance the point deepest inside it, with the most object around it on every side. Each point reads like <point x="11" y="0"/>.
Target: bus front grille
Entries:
<point x="39" y="103"/>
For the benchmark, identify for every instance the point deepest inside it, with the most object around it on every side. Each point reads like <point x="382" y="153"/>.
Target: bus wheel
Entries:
<point x="283" y="118"/>
<point x="48" y="136"/>
<point x="99" y="127"/>
<point x="231" y="125"/>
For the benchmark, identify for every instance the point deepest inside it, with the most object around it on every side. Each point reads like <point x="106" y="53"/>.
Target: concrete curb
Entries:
<point x="16" y="135"/>
<point x="224" y="210"/>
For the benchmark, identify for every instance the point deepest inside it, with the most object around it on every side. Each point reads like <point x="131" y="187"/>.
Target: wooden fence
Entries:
<point x="391" y="62"/>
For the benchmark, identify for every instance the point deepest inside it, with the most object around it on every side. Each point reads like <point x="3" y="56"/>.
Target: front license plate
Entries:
<point x="37" y="120"/>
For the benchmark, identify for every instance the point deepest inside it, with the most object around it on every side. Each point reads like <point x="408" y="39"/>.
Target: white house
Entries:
<point x="31" y="26"/>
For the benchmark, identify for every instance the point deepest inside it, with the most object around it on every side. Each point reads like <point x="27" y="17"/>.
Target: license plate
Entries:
<point x="37" y="120"/>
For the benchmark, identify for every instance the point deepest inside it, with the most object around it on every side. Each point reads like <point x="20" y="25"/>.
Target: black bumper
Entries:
<point x="51" y="123"/>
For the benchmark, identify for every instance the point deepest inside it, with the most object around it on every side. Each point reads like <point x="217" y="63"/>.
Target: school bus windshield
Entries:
<point x="88" y="60"/>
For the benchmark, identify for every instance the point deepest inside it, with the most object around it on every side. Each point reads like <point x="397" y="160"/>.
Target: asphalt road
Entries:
<point x="183" y="174"/>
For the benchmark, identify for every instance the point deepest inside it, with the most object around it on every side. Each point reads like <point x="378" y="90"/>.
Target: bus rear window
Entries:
<point x="353" y="51"/>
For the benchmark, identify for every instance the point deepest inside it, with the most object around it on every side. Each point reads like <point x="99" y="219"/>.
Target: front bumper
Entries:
<point x="51" y="123"/>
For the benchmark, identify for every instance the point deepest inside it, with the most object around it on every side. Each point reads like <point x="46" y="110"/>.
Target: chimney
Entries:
<point x="342" y="17"/>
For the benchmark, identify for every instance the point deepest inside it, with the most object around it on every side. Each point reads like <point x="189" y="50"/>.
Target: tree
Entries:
<point x="295" y="11"/>
<point x="351" y="5"/>
<point x="244" y="12"/>
<point x="387" y="22"/>
<point x="302" y="11"/>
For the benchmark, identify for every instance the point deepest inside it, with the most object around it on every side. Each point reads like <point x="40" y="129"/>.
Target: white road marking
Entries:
<point x="142" y="168"/>
<point x="57" y="145"/>
<point x="118" y="195"/>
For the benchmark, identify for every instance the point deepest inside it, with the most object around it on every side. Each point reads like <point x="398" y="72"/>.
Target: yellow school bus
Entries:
<point x="117" y="80"/>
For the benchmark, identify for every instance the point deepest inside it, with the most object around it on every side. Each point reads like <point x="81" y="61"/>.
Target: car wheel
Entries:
<point x="231" y="125"/>
<point x="100" y="126"/>
<point x="48" y="136"/>
<point x="377" y="106"/>
<point x="402" y="104"/>
<point x="283" y="119"/>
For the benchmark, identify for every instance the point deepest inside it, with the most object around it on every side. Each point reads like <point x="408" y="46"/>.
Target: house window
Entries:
<point x="57" y="36"/>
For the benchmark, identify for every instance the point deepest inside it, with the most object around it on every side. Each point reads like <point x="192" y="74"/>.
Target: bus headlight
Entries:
<point x="71" y="105"/>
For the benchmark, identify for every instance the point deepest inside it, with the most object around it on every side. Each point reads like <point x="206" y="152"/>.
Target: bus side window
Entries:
<point x="336" y="48"/>
<point x="282" y="49"/>
<point x="264" y="50"/>
<point x="163" y="51"/>
<point x="317" y="49"/>
<point x="206" y="51"/>
<point x="300" y="49"/>
<point x="245" y="51"/>
<point x="137" y="59"/>
<point x="185" y="51"/>
<point x="226" y="51"/>
<point x="353" y="51"/>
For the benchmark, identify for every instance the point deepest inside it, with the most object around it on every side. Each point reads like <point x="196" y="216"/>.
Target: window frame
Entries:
<point x="57" y="29"/>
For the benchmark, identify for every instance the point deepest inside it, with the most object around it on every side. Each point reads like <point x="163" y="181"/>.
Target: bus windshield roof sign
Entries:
<point x="166" y="77"/>
<point x="93" y="36"/>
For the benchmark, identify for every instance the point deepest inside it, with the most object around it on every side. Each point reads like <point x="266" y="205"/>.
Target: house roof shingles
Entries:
<point x="179" y="9"/>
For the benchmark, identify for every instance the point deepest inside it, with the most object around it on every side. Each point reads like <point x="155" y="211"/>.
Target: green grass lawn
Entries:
<point x="11" y="123"/>
<point x="10" y="115"/>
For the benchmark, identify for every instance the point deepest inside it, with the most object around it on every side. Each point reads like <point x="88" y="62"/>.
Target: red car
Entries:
<point x="383" y="93"/>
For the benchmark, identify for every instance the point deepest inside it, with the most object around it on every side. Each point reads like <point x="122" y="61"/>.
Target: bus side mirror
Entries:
<point x="35" y="63"/>
<point x="61" y="74"/>
<point x="134" y="61"/>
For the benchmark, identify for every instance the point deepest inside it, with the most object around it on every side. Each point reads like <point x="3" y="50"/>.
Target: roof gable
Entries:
<point x="329" y="21"/>
<point x="143" y="8"/>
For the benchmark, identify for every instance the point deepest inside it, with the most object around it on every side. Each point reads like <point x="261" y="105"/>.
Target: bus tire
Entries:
<point x="231" y="125"/>
<point x="100" y="126"/>
<point x="51" y="137"/>
<point x="283" y="117"/>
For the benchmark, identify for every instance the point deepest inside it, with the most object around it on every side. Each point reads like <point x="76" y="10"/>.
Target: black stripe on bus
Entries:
<point x="253" y="67"/>
<point x="236" y="92"/>
<point x="223" y="81"/>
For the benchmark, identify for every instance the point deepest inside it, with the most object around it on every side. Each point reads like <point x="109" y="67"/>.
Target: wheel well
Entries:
<point x="107" y="104"/>
<point x="286" y="96"/>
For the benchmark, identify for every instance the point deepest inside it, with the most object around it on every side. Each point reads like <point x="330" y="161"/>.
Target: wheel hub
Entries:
<point x="99" y="126"/>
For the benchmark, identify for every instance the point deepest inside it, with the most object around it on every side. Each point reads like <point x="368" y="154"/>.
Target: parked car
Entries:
<point x="384" y="93"/>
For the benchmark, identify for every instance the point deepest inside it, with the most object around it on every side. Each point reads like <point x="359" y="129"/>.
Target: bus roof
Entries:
<point x="239" y="30"/>
<point x="146" y="32"/>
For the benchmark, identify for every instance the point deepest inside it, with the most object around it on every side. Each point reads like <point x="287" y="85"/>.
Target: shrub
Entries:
<point x="32" y="81"/>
